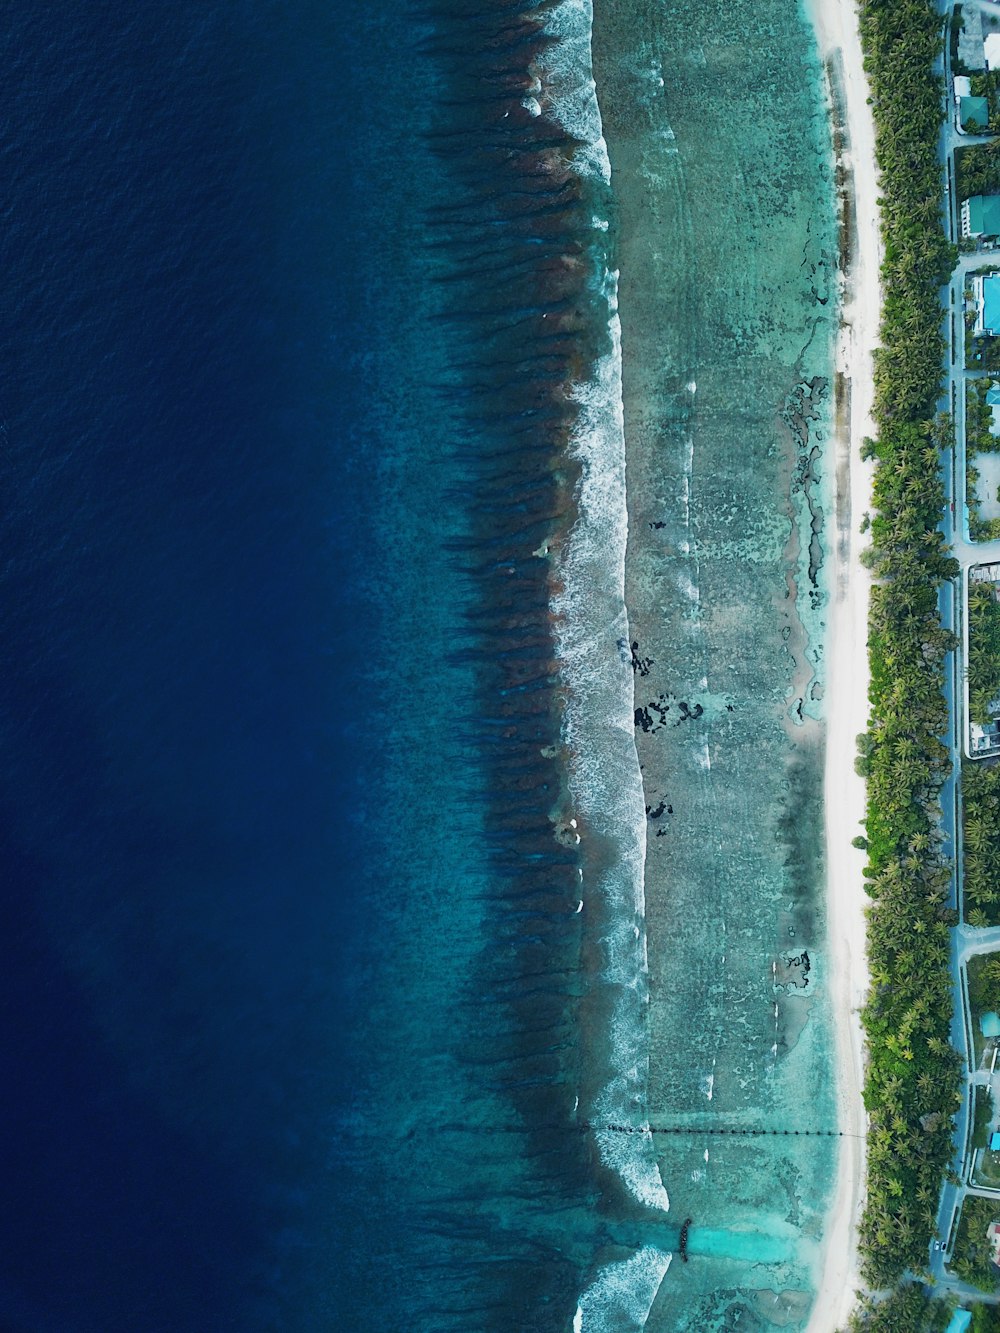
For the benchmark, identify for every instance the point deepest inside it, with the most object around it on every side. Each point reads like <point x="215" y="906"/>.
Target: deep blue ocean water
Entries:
<point x="292" y="962"/>
<point x="323" y="988"/>
<point x="182" y="618"/>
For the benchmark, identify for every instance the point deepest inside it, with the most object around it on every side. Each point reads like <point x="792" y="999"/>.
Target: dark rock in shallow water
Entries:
<point x="640" y="664"/>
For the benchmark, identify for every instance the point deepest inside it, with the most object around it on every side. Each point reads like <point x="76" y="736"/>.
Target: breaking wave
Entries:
<point x="620" y="1297"/>
<point x="605" y="783"/>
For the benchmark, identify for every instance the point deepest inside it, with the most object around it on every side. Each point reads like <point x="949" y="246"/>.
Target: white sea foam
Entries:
<point x="620" y="1297"/>
<point x="598" y="728"/>
<point x="689" y="589"/>
<point x="605" y="782"/>
<point x="569" y="93"/>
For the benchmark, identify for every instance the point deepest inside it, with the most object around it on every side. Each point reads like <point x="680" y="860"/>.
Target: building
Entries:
<point x="986" y="294"/>
<point x="993" y="1236"/>
<point x="992" y="50"/>
<point x="975" y="113"/>
<point x="995" y="1141"/>
<point x="984" y="741"/>
<point x="970" y="38"/>
<point x="981" y="215"/>
<point x="967" y="107"/>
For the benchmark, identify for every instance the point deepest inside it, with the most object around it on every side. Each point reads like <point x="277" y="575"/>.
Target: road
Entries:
<point x="966" y="941"/>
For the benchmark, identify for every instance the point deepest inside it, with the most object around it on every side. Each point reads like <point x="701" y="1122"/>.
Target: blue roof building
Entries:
<point x="986" y="289"/>
<point x="995" y="1141"/>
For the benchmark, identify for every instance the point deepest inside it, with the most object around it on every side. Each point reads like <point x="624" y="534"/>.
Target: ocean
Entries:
<point x="349" y="980"/>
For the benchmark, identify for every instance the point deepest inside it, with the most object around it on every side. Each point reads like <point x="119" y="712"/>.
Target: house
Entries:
<point x="970" y="38"/>
<point x="986" y="294"/>
<point x="968" y="107"/>
<point x="993" y="1236"/>
<point x="992" y="50"/>
<point x="983" y="741"/>
<point x="980" y="215"/>
<point x="976" y="110"/>
<point x="995" y="1141"/>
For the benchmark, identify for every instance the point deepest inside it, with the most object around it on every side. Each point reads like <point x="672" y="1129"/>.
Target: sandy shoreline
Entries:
<point x="840" y="47"/>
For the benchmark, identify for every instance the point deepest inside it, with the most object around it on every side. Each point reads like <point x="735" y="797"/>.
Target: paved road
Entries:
<point x="966" y="941"/>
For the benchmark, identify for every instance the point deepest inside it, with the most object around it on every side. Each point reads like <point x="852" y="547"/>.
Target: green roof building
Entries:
<point x="981" y="215"/>
<point x="976" y="109"/>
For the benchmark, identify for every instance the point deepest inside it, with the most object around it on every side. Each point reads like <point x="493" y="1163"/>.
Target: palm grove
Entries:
<point x="911" y="1084"/>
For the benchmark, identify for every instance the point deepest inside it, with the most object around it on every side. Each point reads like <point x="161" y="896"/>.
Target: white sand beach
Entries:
<point x="837" y="29"/>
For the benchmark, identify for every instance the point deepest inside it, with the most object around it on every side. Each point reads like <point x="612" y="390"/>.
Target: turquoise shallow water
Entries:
<point x="518" y="986"/>
<point x="718" y="135"/>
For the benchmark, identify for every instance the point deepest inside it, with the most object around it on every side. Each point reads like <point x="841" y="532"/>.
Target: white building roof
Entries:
<point x="992" y="48"/>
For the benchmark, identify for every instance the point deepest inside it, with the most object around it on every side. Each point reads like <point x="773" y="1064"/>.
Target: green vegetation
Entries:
<point x="980" y="821"/>
<point x="979" y="438"/>
<point x="971" y="1258"/>
<point x="908" y="1309"/>
<point x="988" y="1169"/>
<point x="987" y="1172"/>
<point x="986" y="83"/>
<point x="982" y="353"/>
<point x="911" y="1085"/>
<point x="982" y="1116"/>
<point x="983" y="973"/>
<point x="985" y="1319"/>
<point x="984" y="649"/>
<point x="977" y="169"/>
